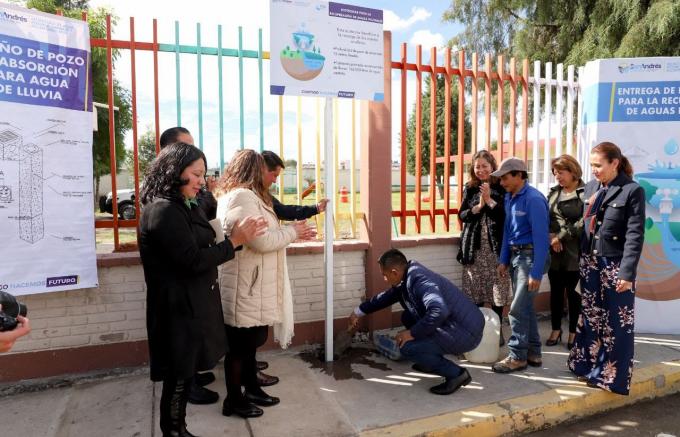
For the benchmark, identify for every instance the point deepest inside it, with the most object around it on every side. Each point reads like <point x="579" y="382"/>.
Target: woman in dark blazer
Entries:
<point x="180" y="258"/>
<point x="614" y="224"/>
<point x="565" y="203"/>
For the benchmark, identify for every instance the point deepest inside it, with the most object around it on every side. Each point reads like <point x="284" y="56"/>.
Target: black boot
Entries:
<point x="452" y="384"/>
<point x="174" y="408"/>
<point x="201" y="395"/>
<point x="240" y="407"/>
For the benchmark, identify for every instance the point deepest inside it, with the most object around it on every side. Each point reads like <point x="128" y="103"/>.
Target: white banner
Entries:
<point x="46" y="200"/>
<point x="635" y="103"/>
<point x="326" y="49"/>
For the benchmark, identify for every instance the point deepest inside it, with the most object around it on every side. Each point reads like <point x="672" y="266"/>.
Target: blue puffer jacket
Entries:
<point x="436" y="308"/>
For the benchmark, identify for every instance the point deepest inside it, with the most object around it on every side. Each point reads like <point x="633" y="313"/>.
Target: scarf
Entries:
<point x="590" y="216"/>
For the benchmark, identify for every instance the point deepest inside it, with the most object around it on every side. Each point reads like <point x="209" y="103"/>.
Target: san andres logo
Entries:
<point x="6" y="16"/>
<point x="304" y="61"/>
<point x="630" y="67"/>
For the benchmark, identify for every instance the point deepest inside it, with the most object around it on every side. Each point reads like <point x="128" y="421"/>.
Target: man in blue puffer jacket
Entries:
<point x="439" y="318"/>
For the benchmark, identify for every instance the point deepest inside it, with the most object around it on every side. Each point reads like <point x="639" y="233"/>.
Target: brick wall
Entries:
<point x="115" y="312"/>
<point x="83" y="330"/>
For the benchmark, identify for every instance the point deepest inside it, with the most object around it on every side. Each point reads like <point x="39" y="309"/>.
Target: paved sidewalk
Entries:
<point x="362" y="394"/>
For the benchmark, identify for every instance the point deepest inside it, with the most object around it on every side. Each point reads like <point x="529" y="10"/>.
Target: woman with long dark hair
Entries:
<point x="482" y="214"/>
<point x="256" y="291"/>
<point x="180" y="258"/>
<point x="614" y="225"/>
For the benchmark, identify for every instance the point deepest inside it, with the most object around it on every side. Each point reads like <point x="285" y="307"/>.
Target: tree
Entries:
<point x="146" y="149"/>
<point x="96" y="20"/>
<point x="290" y="163"/>
<point x="425" y="131"/>
<point x="568" y="31"/>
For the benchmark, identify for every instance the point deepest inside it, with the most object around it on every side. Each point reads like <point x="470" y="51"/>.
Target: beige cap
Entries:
<point x="510" y="164"/>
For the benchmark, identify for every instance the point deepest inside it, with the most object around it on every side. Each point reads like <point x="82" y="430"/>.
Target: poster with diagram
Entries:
<point x="46" y="200"/>
<point x="635" y="103"/>
<point x="326" y="49"/>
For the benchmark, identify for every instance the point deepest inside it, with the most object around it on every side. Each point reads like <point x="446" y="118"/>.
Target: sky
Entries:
<point x="411" y="21"/>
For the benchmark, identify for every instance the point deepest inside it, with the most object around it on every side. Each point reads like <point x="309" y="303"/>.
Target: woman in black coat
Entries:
<point x="180" y="258"/>
<point x="482" y="213"/>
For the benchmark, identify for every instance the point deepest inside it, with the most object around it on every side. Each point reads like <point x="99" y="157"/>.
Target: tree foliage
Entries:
<point x="425" y="130"/>
<point x="96" y="20"/>
<point x="146" y="152"/>
<point x="568" y="31"/>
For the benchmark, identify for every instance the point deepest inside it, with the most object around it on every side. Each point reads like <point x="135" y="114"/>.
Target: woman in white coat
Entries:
<point x="255" y="288"/>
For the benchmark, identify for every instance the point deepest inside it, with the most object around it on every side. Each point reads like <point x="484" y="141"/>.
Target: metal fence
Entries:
<point x="200" y="51"/>
<point x="537" y="139"/>
<point x="506" y="83"/>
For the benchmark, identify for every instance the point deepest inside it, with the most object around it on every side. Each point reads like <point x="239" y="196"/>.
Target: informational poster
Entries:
<point x="46" y="201"/>
<point x="635" y="103"/>
<point x="326" y="49"/>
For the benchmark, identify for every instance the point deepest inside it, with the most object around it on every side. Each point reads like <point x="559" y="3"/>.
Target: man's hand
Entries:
<point x="7" y="338"/>
<point x="623" y="285"/>
<point x="403" y="337"/>
<point x="502" y="270"/>
<point x="321" y="206"/>
<point x="353" y="321"/>
<point x="534" y="284"/>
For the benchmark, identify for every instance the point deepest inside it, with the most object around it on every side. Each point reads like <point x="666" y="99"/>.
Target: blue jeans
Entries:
<point x="524" y="340"/>
<point x="429" y="355"/>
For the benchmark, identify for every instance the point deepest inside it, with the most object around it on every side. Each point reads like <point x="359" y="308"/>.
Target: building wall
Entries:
<point x="100" y="328"/>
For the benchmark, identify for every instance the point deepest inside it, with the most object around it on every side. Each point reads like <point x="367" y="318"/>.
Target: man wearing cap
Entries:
<point x="524" y="255"/>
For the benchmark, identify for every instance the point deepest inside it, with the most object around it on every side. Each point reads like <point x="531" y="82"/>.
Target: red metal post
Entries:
<point x="487" y="100"/>
<point x="112" y="132"/>
<point x="461" y="126"/>
<point x="155" y="86"/>
<point x="433" y="136"/>
<point x="404" y="144"/>
<point x="513" y="106"/>
<point x="500" y="68"/>
<point x="447" y="139"/>
<point x="419" y="109"/>
<point x="473" y="109"/>
<point x="135" y="149"/>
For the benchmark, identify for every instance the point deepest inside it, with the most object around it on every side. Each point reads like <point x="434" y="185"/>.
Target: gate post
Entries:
<point x="376" y="185"/>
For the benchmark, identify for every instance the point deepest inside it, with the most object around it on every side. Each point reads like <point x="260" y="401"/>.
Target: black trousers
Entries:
<point x="562" y="281"/>
<point x="240" y="368"/>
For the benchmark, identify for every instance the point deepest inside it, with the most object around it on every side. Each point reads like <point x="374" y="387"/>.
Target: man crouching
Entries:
<point x="439" y="319"/>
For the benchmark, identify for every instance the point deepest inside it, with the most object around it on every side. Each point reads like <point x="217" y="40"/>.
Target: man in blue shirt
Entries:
<point x="439" y="318"/>
<point x="524" y="254"/>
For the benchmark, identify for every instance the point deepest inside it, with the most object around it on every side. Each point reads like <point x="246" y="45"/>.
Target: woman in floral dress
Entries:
<point x="611" y="246"/>
<point x="482" y="214"/>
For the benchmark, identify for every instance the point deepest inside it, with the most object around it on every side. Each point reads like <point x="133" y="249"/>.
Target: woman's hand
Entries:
<point x="247" y="229"/>
<point x="485" y="190"/>
<point x="623" y="285"/>
<point x="555" y="243"/>
<point x="303" y="231"/>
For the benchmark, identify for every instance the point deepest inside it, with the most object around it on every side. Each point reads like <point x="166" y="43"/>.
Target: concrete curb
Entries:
<point x="538" y="411"/>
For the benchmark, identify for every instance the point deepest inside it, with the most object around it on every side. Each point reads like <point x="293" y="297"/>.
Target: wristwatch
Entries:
<point x="492" y="204"/>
